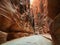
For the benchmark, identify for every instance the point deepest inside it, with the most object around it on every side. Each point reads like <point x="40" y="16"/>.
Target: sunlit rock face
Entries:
<point x="39" y="10"/>
<point x="39" y="6"/>
<point x="35" y="5"/>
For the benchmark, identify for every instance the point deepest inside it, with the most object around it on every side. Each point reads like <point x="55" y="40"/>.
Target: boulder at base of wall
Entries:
<point x="3" y="37"/>
<point x="15" y="35"/>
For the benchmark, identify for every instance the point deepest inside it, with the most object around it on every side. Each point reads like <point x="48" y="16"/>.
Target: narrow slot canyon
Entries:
<point x="29" y="22"/>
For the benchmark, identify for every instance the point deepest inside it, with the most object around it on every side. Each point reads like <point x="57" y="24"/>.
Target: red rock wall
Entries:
<point x="18" y="26"/>
<point x="53" y="8"/>
<point x="54" y="13"/>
